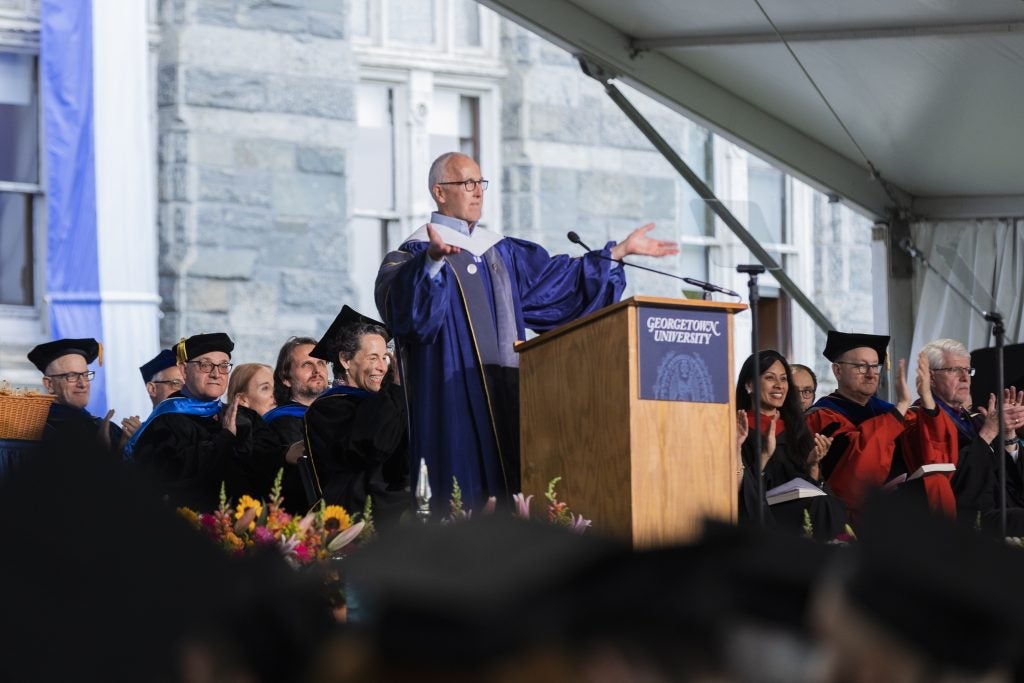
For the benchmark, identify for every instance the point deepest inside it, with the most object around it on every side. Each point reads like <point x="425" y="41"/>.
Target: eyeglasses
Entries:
<point x="960" y="371"/>
<point x="470" y="184"/>
<point x="206" y="367"/>
<point x="862" y="368"/>
<point x="71" y="377"/>
<point x="806" y="392"/>
<point x="176" y="383"/>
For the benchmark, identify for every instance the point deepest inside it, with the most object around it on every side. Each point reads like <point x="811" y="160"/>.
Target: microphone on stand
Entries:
<point x="709" y="287"/>
<point x="706" y="286"/>
<point x="575" y="239"/>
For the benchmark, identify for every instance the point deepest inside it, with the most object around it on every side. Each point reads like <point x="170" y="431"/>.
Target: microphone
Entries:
<point x="709" y="287"/>
<point x="575" y="239"/>
<point x="706" y="286"/>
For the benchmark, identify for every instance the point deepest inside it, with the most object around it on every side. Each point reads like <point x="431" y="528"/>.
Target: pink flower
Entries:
<point x="209" y="524"/>
<point x="522" y="505"/>
<point x="302" y="553"/>
<point x="489" y="506"/>
<point x="578" y="525"/>
<point x="263" y="535"/>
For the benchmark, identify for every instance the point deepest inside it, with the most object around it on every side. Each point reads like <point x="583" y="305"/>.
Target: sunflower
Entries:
<point x="246" y="503"/>
<point x="336" y="519"/>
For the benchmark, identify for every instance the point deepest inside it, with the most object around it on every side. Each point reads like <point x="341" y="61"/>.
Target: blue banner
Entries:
<point x="72" y="262"/>
<point x="683" y="355"/>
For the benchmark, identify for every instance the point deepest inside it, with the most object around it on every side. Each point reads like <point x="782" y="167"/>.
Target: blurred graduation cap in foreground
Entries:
<point x="943" y="598"/>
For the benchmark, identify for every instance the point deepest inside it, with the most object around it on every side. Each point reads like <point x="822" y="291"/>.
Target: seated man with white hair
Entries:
<point x="975" y="483"/>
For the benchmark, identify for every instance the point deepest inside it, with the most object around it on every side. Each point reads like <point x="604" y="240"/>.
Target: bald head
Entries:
<point x="447" y="179"/>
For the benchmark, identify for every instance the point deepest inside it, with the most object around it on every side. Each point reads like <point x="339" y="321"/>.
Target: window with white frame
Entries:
<point x="698" y="224"/>
<point x="429" y="80"/>
<point x="443" y="27"/>
<point x="768" y="219"/>
<point x="20" y="190"/>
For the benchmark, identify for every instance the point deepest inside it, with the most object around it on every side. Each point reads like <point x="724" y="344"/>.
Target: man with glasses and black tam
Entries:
<point x="975" y="481"/>
<point x="876" y="441"/>
<point x="192" y="442"/>
<point x="66" y="374"/>
<point x="162" y="376"/>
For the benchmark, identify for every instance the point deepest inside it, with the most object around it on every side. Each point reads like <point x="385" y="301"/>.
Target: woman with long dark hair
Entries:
<point x="788" y="449"/>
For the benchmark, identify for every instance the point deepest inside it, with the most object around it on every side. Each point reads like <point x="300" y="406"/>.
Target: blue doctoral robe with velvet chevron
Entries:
<point x="455" y="332"/>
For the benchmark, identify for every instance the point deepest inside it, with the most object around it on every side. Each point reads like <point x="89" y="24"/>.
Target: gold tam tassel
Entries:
<point x="180" y="353"/>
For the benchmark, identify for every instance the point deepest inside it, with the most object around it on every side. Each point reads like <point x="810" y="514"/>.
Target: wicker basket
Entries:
<point x="24" y="416"/>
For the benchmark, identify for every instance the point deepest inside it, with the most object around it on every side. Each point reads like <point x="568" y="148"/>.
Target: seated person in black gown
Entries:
<point x="66" y="374"/>
<point x="192" y="442"/>
<point x="975" y="480"/>
<point x="788" y="450"/>
<point x="356" y="434"/>
<point x="298" y="379"/>
<point x="805" y="384"/>
<point x="162" y="376"/>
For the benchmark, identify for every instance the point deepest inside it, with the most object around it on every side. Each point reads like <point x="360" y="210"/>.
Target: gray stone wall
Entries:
<point x="256" y="113"/>
<point x="573" y="161"/>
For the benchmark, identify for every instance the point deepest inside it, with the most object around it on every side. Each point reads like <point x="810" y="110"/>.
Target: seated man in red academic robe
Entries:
<point x="875" y="441"/>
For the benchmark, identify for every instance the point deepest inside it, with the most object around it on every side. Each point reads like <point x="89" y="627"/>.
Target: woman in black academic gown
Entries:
<point x="789" y="451"/>
<point x="356" y="433"/>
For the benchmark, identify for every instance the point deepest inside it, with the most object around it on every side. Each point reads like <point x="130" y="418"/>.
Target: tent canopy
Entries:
<point x="929" y="90"/>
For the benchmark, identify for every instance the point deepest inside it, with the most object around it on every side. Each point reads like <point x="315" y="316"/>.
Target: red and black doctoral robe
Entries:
<point x="874" y="443"/>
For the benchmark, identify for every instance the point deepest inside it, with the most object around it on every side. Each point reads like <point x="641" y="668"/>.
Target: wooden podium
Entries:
<point x="647" y="470"/>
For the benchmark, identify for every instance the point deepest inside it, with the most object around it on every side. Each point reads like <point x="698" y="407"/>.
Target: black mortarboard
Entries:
<point x="198" y="344"/>
<point x="161" y="361"/>
<point x="44" y="354"/>
<point x="468" y="593"/>
<point x="948" y="591"/>
<point x="839" y="343"/>
<point x="327" y="347"/>
<point x="984" y="381"/>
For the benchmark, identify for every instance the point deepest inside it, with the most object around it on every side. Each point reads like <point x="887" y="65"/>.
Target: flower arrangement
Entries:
<point x="252" y="524"/>
<point x="558" y="512"/>
<point x="844" y="537"/>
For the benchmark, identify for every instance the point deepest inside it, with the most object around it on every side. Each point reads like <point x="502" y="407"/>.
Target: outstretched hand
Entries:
<point x="924" y="382"/>
<point x="742" y="428"/>
<point x="769" y="442"/>
<point x="231" y="416"/>
<point x="637" y="242"/>
<point x="438" y="248"/>
<point x="902" y="388"/>
<point x="104" y="431"/>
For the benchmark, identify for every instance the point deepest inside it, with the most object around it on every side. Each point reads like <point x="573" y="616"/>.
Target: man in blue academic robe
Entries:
<point x="456" y="297"/>
<point x="192" y="443"/>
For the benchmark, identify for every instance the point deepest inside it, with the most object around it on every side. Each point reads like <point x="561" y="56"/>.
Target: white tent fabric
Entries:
<point x="989" y="264"/>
